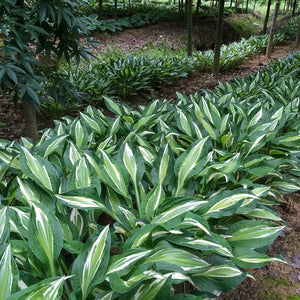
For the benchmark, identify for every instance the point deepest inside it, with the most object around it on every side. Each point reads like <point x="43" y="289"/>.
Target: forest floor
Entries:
<point x="275" y="281"/>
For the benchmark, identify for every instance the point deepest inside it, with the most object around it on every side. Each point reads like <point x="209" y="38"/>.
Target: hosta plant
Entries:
<point x="132" y="206"/>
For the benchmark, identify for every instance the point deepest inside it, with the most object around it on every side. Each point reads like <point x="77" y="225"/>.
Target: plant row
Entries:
<point x="126" y="76"/>
<point x="130" y="207"/>
<point x="142" y="15"/>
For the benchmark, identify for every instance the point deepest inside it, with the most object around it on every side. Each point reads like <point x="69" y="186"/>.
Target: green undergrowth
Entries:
<point x="167" y="193"/>
<point x="140" y="15"/>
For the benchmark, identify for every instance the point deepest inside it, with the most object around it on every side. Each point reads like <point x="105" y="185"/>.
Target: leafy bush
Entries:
<point x="290" y="28"/>
<point x="124" y="208"/>
<point x="127" y="76"/>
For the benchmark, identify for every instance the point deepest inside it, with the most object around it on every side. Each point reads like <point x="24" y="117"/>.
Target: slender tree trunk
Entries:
<point x="294" y="8"/>
<point x="190" y="27"/>
<point x="247" y="6"/>
<point x="100" y="10"/>
<point x="216" y="65"/>
<point x="198" y="6"/>
<point x="186" y="11"/>
<point x="115" y="9"/>
<point x="29" y="115"/>
<point x="284" y="5"/>
<point x="272" y="31"/>
<point x="267" y="17"/>
<point x="254" y="5"/>
<point x="231" y="1"/>
<point x="298" y="37"/>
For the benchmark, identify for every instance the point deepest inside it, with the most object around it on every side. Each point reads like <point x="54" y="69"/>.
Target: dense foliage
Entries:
<point x="125" y="76"/>
<point x="129" y="207"/>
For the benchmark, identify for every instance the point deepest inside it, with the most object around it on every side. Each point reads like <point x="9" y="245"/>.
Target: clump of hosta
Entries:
<point x="127" y="207"/>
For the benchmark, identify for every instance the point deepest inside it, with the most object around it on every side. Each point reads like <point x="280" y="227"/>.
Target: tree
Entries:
<point x="37" y="34"/>
<point x="272" y="31"/>
<point x="298" y="37"/>
<point x="190" y="25"/>
<point x="216" y="65"/>
<point x="267" y="17"/>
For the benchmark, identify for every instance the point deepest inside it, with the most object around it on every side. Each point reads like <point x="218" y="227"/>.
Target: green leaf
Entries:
<point x="223" y="271"/>
<point x="46" y="237"/>
<point x="39" y="169"/>
<point x="187" y="162"/>
<point x="123" y="263"/>
<point x="51" y="145"/>
<point x="4" y="227"/>
<point x="177" y="210"/>
<point x="182" y="259"/>
<point x="82" y="199"/>
<point x="48" y="289"/>
<point x="253" y="234"/>
<point x="6" y="273"/>
<point x="113" y="175"/>
<point x="90" y="266"/>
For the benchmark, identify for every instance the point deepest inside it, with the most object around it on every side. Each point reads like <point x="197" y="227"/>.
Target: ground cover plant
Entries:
<point x="141" y="15"/>
<point x="124" y="75"/>
<point x="132" y="206"/>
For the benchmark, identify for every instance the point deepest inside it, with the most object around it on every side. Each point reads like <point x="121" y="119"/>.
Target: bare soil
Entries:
<point x="273" y="282"/>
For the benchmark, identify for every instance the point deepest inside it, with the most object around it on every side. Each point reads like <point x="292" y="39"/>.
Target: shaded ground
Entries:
<point x="273" y="282"/>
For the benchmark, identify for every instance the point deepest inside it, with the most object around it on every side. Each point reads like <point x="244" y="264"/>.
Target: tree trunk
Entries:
<point x="29" y="115"/>
<point x="247" y="6"/>
<point x="254" y="5"/>
<point x="115" y="9"/>
<point x="298" y="37"/>
<point x="190" y="25"/>
<point x="100" y="10"/>
<point x="186" y="12"/>
<point x="267" y="17"/>
<point x="272" y="31"/>
<point x="294" y="8"/>
<point x="198" y="6"/>
<point x="216" y="65"/>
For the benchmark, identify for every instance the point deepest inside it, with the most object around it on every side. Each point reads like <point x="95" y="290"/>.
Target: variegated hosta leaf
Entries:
<point x="114" y="176"/>
<point x="253" y="234"/>
<point x="51" y="145"/>
<point x="4" y="226"/>
<point x="6" y="273"/>
<point x="48" y="289"/>
<point x="214" y="243"/>
<point x="153" y="290"/>
<point x="71" y="155"/>
<point x="162" y="171"/>
<point x="82" y="175"/>
<point x="248" y="258"/>
<point x="124" y="263"/>
<point x="225" y="203"/>
<point x="152" y="201"/>
<point x="184" y="165"/>
<point x="86" y="198"/>
<point x="95" y="124"/>
<point x="32" y="192"/>
<point x="134" y="165"/>
<point x="39" y="169"/>
<point x="221" y="271"/>
<point x="263" y="212"/>
<point x="46" y="237"/>
<point x="90" y="266"/>
<point x="166" y="217"/>
<point x="175" y="259"/>
<point x="18" y="220"/>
